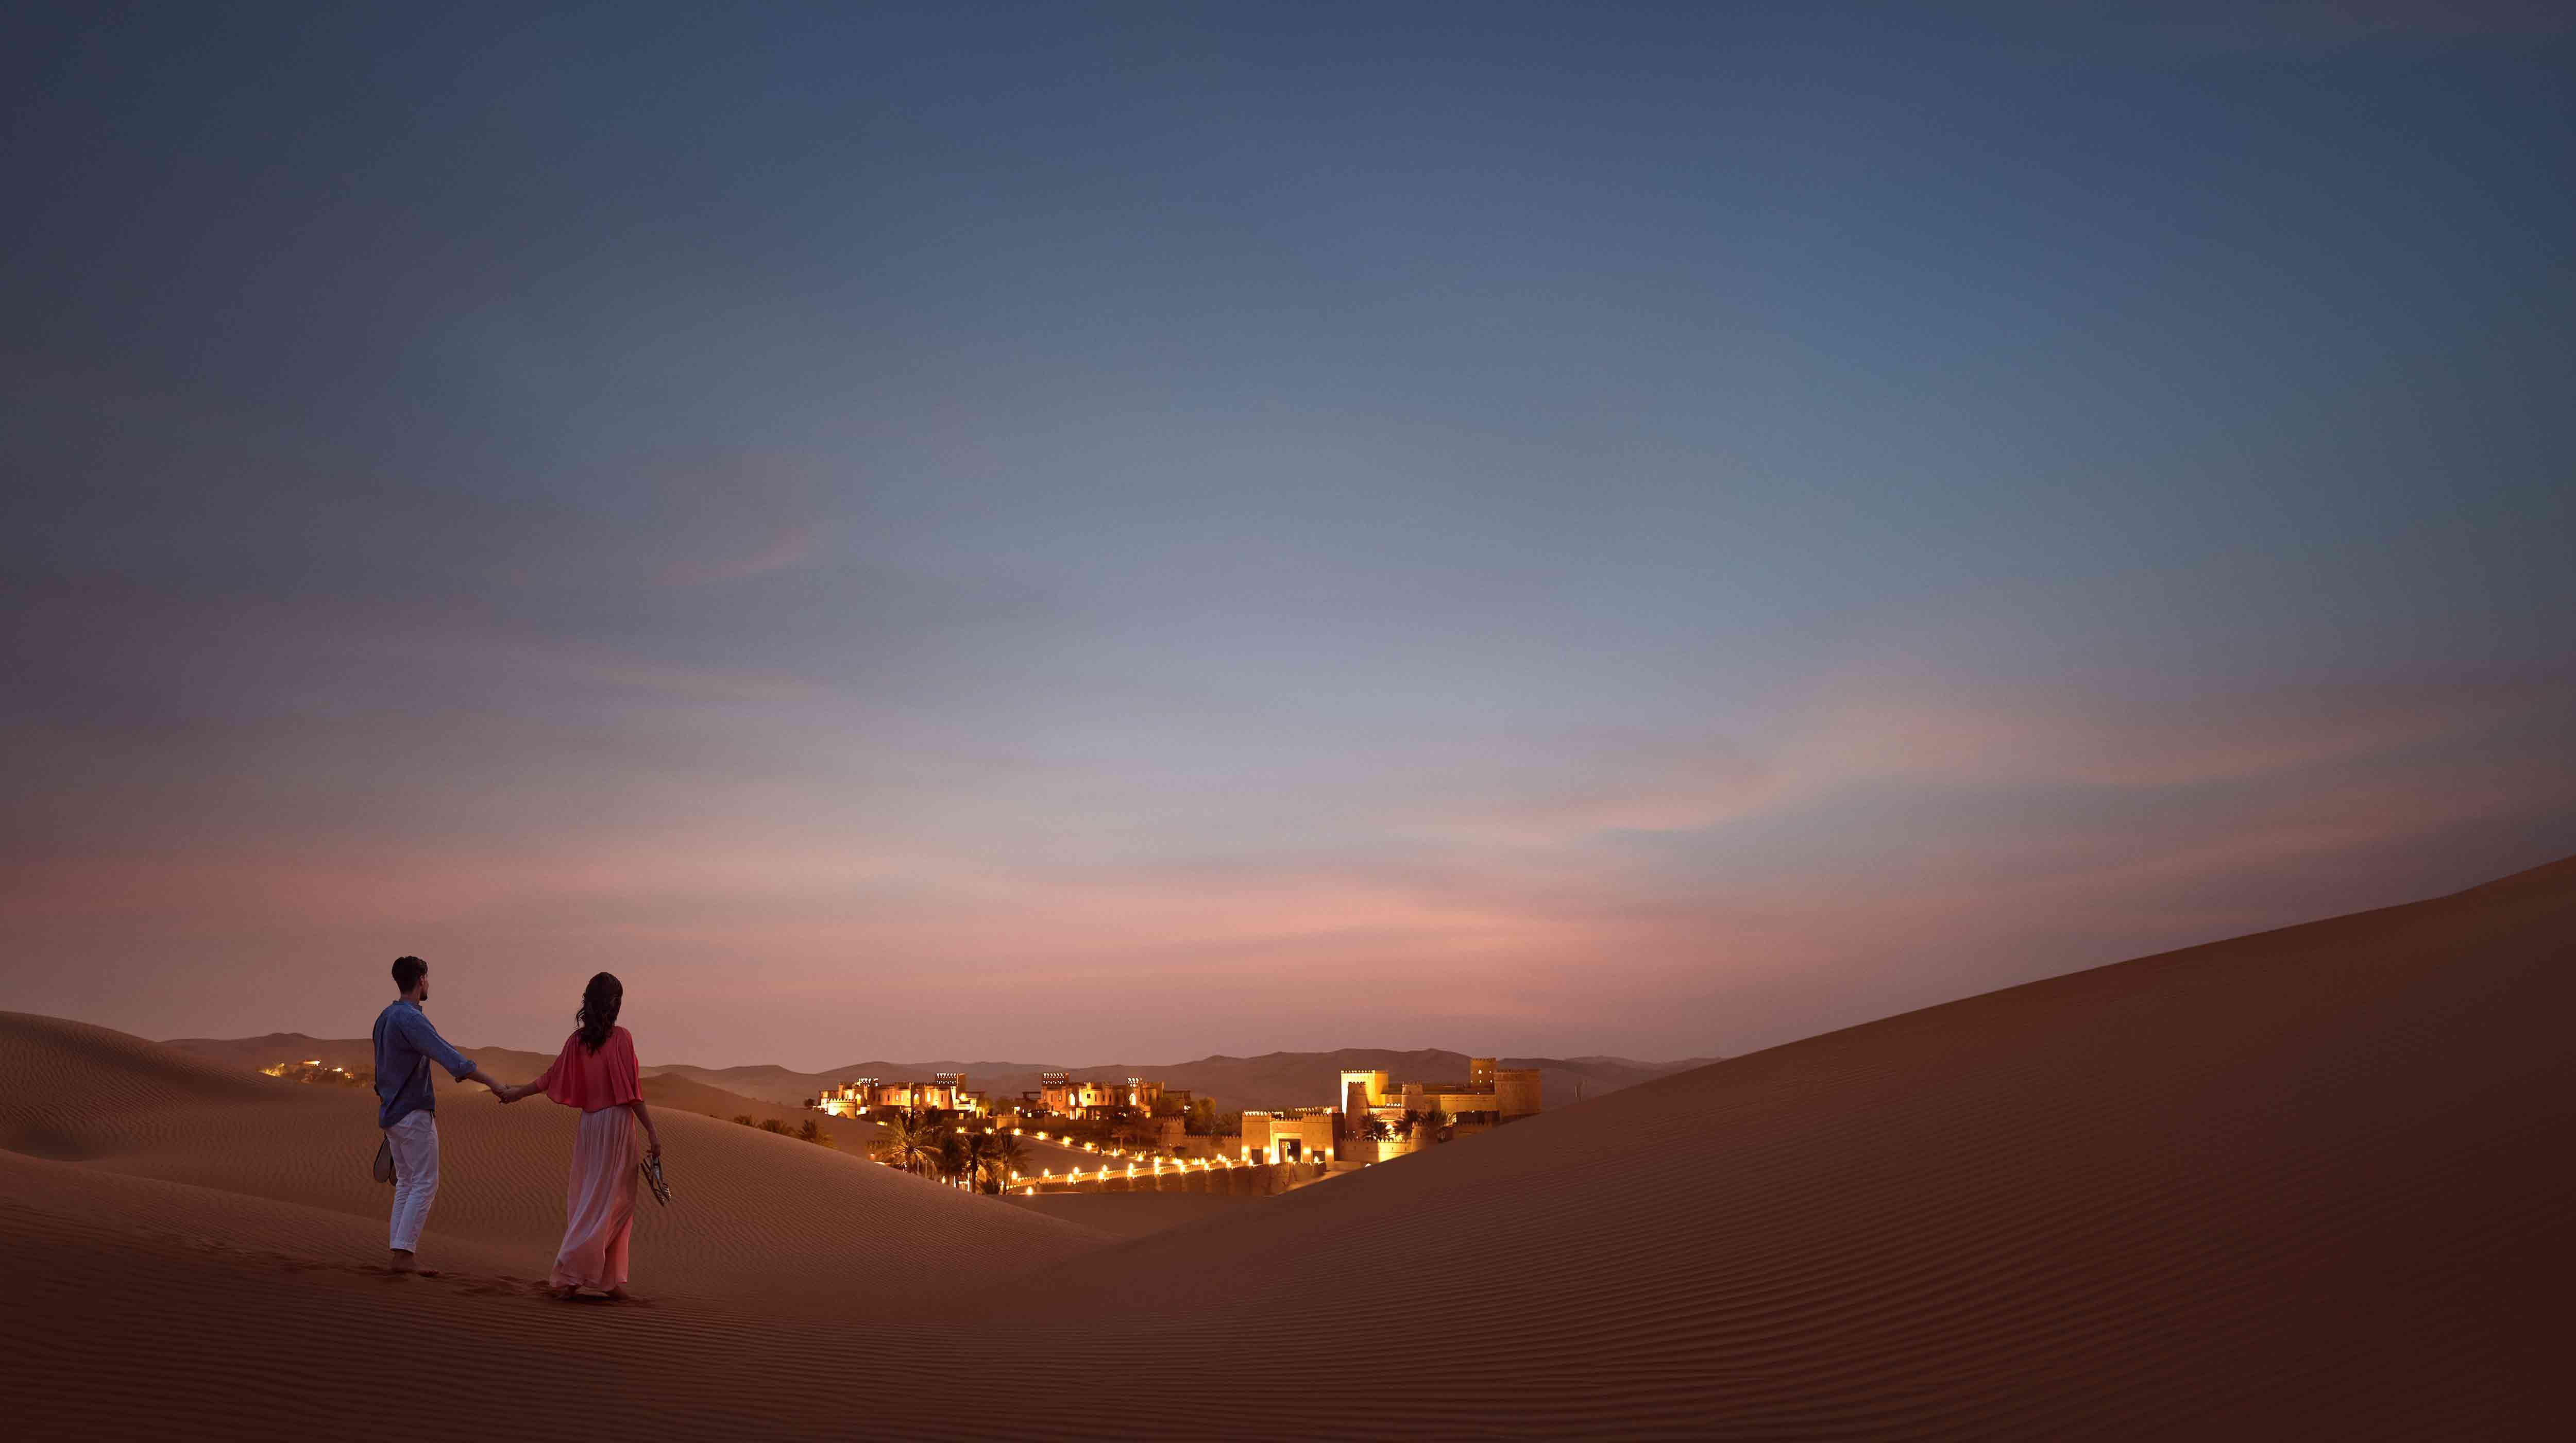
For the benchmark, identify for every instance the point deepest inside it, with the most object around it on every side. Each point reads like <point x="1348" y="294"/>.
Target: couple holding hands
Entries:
<point x="596" y="1071"/>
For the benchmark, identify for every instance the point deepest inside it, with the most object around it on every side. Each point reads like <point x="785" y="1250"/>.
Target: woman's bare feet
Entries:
<point x="617" y="1295"/>
<point x="566" y="1293"/>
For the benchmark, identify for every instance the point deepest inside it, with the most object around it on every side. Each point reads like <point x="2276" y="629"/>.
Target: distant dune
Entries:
<point x="349" y="1052"/>
<point x="1275" y="1079"/>
<point x="2310" y="1183"/>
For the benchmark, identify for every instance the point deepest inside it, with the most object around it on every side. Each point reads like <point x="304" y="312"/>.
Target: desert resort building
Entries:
<point x="1057" y="1093"/>
<point x="1304" y="1134"/>
<point x="1374" y="1118"/>
<point x="1490" y="1096"/>
<point x="945" y="1092"/>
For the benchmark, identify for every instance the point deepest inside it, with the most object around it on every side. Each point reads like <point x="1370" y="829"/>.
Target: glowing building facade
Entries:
<point x="1491" y="1094"/>
<point x="1306" y="1134"/>
<point x="1060" y="1094"/>
<point x="945" y="1092"/>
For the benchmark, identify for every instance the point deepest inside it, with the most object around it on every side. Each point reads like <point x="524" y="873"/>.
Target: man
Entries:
<point x="406" y="1109"/>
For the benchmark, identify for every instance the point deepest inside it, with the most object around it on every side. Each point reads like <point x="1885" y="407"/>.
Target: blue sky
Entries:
<point x="1123" y="533"/>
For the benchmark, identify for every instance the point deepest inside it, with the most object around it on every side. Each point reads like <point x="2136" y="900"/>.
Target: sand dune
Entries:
<point x="354" y="1053"/>
<point x="1134" y="1214"/>
<point x="767" y="1216"/>
<point x="2309" y="1183"/>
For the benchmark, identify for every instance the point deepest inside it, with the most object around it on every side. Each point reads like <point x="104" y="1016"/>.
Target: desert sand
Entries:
<point x="2313" y="1182"/>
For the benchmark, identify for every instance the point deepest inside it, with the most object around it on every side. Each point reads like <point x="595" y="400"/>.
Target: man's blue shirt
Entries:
<point x="403" y="1038"/>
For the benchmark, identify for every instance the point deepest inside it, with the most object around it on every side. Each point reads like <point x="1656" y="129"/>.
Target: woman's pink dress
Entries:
<point x="599" y="1203"/>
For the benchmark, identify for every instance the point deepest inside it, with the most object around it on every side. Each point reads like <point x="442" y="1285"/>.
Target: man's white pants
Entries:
<point x="415" y="1141"/>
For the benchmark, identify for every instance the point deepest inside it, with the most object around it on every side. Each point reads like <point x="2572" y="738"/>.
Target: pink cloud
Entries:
<point x="1894" y="842"/>
<point x="2025" y="735"/>
<point x="1878" y="730"/>
<point x="1665" y="790"/>
<point x="781" y="548"/>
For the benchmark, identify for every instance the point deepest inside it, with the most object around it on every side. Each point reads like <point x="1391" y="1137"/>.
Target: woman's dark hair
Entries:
<point x="599" y="1003"/>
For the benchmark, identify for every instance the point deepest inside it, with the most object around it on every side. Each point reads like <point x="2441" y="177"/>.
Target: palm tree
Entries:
<point x="1432" y="1121"/>
<point x="913" y="1139"/>
<point x="952" y="1157"/>
<point x="1006" y="1160"/>
<point x="1408" y="1124"/>
<point x="976" y="1150"/>
<point x="1125" y="1124"/>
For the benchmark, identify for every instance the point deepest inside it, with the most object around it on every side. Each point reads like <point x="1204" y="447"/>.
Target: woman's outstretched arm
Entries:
<point x="644" y="1115"/>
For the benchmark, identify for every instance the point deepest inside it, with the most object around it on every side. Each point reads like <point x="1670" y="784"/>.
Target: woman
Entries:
<point x="596" y="1072"/>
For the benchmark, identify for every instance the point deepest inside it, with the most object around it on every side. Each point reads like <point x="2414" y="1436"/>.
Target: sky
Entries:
<point x="1087" y="534"/>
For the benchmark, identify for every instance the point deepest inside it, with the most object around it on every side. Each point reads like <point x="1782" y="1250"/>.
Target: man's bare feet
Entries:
<point x="402" y="1262"/>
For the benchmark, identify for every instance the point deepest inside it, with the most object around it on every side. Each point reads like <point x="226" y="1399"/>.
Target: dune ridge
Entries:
<point x="2299" y="1176"/>
<point x="770" y="1216"/>
<point x="2312" y="1182"/>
